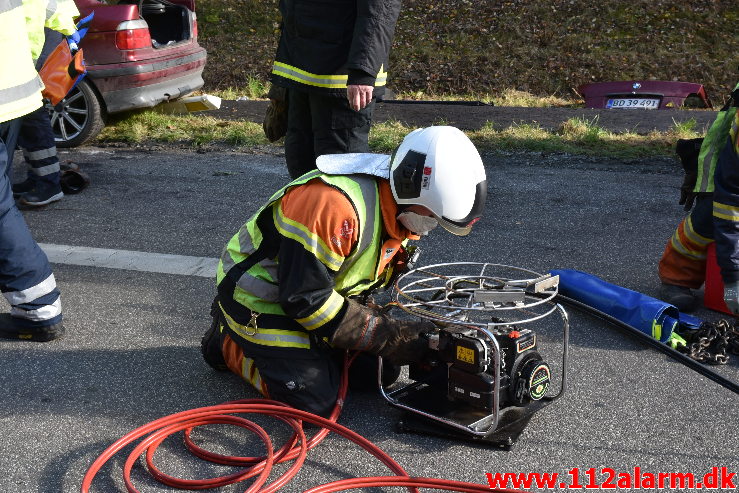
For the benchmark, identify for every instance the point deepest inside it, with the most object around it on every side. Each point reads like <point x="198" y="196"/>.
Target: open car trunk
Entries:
<point x="169" y="22"/>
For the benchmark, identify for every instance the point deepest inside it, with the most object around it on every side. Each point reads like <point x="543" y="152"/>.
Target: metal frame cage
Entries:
<point x="481" y="296"/>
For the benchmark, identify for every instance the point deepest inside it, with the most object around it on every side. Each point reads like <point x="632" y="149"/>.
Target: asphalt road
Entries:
<point x="132" y="354"/>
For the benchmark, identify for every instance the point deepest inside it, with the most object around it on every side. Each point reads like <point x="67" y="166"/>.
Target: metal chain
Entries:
<point x="712" y="342"/>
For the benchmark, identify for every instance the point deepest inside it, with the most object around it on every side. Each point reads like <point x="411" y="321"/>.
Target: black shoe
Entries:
<point x="23" y="187"/>
<point x="42" y="194"/>
<point x="210" y="346"/>
<point x="13" y="328"/>
<point x="679" y="296"/>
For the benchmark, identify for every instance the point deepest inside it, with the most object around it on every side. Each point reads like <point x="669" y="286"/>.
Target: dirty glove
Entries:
<point x="688" y="151"/>
<point x="731" y="296"/>
<point x="368" y="329"/>
<point x="275" y="120"/>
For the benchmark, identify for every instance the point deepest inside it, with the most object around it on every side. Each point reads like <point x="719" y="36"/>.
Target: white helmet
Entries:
<point x="440" y="169"/>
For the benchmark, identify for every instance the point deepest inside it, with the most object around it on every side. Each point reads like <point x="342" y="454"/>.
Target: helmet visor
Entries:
<point x="463" y="226"/>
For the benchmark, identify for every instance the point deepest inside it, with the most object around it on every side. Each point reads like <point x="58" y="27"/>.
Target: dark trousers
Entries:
<point x="26" y="279"/>
<point x="306" y="379"/>
<point x="320" y="124"/>
<point x="39" y="149"/>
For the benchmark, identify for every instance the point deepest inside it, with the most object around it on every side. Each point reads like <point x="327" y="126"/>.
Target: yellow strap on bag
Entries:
<point x="60" y="72"/>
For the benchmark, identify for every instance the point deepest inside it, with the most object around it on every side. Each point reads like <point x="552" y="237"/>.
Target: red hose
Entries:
<point x="295" y="449"/>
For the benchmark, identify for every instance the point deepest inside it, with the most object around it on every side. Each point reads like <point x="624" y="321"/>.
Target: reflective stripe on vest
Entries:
<point x="7" y="5"/>
<point x="268" y="337"/>
<point x="20" y="85"/>
<point x="314" y="244"/>
<point x="327" y="81"/>
<point x="27" y="89"/>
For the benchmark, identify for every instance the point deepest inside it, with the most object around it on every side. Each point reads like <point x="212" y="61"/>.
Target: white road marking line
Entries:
<point x="161" y="263"/>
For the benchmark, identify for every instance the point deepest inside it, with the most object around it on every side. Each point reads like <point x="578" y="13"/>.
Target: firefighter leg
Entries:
<point x="39" y="150"/>
<point x="683" y="263"/>
<point x="319" y="124"/>
<point x="26" y="280"/>
<point x="308" y="381"/>
<point x="299" y="154"/>
<point x="337" y="128"/>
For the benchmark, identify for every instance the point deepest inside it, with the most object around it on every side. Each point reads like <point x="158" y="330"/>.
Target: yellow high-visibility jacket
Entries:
<point x="56" y="14"/>
<point x="20" y="85"/>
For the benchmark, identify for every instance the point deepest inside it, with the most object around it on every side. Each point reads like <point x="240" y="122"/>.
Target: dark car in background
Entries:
<point x="644" y="94"/>
<point x="138" y="53"/>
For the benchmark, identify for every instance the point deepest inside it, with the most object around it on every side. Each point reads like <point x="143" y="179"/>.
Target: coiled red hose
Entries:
<point x="295" y="449"/>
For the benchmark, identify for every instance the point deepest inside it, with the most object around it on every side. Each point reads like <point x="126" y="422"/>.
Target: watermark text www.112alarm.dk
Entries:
<point x="718" y="478"/>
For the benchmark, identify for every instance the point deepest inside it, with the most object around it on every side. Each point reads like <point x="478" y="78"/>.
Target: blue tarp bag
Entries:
<point x="644" y="313"/>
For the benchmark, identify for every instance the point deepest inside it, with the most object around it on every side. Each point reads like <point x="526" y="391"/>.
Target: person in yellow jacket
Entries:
<point x="26" y="279"/>
<point x="47" y="22"/>
<point x="291" y="282"/>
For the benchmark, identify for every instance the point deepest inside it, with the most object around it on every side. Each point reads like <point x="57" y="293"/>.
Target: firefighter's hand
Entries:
<point x="731" y="296"/>
<point x="74" y="40"/>
<point x="275" y="119"/>
<point x="359" y="96"/>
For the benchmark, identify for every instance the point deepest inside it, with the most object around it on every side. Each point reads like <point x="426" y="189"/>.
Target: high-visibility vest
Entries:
<point x="57" y="15"/>
<point x="713" y="144"/>
<point x="20" y="85"/>
<point x="256" y="288"/>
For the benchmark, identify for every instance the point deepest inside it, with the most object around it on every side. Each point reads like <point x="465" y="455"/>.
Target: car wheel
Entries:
<point x="78" y="118"/>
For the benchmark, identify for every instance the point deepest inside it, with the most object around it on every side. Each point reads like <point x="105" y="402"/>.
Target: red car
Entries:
<point x="644" y="94"/>
<point x="138" y="53"/>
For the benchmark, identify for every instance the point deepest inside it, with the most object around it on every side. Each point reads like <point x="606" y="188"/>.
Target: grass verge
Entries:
<point x="575" y="136"/>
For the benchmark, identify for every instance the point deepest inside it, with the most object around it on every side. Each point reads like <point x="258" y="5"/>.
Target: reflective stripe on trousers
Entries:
<point x="39" y="149"/>
<point x="26" y="279"/>
<point x="683" y="262"/>
<point x="239" y="364"/>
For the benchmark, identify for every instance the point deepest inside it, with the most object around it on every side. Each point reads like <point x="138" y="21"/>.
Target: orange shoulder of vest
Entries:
<point x="324" y="211"/>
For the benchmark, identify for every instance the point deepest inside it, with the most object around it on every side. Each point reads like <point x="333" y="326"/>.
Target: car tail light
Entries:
<point x="131" y="35"/>
<point x="194" y="26"/>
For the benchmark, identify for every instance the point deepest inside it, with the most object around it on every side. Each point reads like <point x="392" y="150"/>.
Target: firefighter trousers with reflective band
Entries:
<point x="39" y="149"/>
<point x="26" y="279"/>
<point x="307" y="381"/>
<point x="683" y="262"/>
<point x="322" y="124"/>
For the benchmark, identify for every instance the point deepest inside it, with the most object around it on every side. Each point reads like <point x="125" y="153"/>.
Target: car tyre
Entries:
<point x="79" y="117"/>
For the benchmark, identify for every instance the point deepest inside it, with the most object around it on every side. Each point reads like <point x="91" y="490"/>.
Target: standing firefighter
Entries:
<point x="42" y="185"/>
<point x="289" y="279"/>
<point x="330" y="67"/>
<point x="715" y="215"/>
<point x="26" y="279"/>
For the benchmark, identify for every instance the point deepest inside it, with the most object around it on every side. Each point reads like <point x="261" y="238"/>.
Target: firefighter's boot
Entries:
<point x="679" y="296"/>
<point x="211" y="345"/>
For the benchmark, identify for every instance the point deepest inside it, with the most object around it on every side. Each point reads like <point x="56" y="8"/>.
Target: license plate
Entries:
<point x="633" y="103"/>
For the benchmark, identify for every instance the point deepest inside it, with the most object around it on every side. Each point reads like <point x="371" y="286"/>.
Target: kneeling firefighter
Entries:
<point x="290" y="279"/>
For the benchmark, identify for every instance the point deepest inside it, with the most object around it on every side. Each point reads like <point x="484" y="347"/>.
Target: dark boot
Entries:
<point x="41" y="194"/>
<point x="679" y="296"/>
<point x="211" y="344"/>
<point x="17" y="328"/>
<point x="23" y="187"/>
